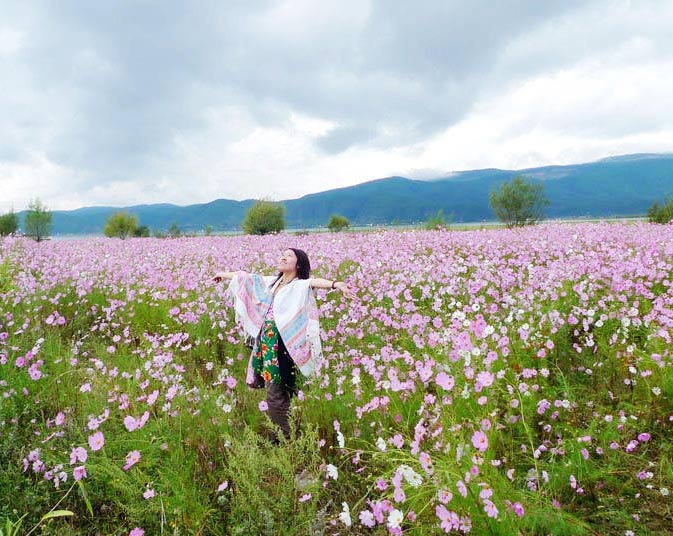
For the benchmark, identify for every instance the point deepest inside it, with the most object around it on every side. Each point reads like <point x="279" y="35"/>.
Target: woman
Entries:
<point x="281" y="313"/>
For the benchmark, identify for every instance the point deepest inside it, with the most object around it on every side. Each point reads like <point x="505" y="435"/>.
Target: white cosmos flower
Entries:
<point x="411" y="476"/>
<point x="395" y="518"/>
<point x="332" y="472"/>
<point x="345" y="515"/>
<point x="381" y="444"/>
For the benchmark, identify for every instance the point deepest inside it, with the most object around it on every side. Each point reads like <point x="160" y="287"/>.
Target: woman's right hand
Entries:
<point x="219" y="276"/>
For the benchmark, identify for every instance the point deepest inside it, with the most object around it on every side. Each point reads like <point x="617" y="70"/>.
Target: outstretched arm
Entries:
<point x="317" y="282"/>
<point x="219" y="276"/>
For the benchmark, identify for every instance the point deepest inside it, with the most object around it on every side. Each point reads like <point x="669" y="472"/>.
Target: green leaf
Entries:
<point x="85" y="496"/>
<point x="56" y="513"/>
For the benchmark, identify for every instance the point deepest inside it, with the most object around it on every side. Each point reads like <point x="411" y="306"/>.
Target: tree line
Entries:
<point x="516" y="203"/>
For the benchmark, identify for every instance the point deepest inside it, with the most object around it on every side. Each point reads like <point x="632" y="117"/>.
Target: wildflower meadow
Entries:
<point x="499" y="382"/>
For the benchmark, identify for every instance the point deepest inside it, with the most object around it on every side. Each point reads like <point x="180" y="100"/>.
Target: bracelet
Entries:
<point x="333" y="283"/>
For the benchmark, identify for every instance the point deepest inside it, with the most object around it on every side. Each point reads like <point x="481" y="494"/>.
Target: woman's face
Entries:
<point x="288" y="261"/>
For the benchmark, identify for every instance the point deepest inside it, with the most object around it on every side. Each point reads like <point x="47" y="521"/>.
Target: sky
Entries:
<point x="131" y="102"/>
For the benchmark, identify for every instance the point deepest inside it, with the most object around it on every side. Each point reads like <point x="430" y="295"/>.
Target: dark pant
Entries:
<point x="278" y="395"/>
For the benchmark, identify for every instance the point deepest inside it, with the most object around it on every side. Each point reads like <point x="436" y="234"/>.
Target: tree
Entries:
<point x="9" y="223"/>
<point x="142" y="231"/>
<point x="437" y="221"/>
<point x="121" y="224"/>
<point x="37" y="222"/>
<point x="174" y="230"/>
<point x="661" y="213"/>
<point x="338" y="223"/>
<point x="208" y="230"/>
<point x="264" y="217"/>
<point x="519" y="202"/>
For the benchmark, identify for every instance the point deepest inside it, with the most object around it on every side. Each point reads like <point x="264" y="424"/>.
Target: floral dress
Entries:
<point x="265" y="360"/>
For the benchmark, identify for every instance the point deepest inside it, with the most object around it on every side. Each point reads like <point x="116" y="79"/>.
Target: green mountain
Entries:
<point x="615" y="186"/>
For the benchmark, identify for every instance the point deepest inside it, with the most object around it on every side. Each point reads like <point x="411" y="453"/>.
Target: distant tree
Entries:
<point x="661" y="213"/>
<point x="37" y="221"/>
<point x="142" y="231"/>
<point x="437" y="221"/>
<point x="174" y="230"/>
<point x="208" y="230"/>
<point x="264" y="217"/>
<point x="338" y="223"/>
<point x="9" y="223"/>
<point x="519" y="202"/>
<point x="121" y="225"/>
<point x="158" y="233"/>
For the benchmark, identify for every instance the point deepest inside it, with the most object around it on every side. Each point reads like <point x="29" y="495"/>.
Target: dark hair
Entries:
<point x="303" y="265"/>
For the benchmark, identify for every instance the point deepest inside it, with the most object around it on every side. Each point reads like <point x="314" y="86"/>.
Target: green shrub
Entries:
<point x="338" y="223"/>
<point x="264" y="217"/>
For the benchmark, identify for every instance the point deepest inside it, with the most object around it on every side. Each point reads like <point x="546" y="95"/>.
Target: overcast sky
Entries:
<point x="128" y="102"/>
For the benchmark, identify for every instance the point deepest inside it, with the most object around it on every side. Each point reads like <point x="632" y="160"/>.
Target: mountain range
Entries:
<point x="612" y="187"/>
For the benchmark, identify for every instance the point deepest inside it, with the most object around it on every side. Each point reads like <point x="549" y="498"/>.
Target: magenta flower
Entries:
<point x="516" y="507"/>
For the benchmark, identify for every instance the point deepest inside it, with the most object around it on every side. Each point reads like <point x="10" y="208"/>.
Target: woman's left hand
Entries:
<point x="345" y="289"/>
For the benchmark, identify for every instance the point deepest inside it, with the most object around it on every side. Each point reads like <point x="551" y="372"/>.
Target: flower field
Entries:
<point x="486" y="382"/>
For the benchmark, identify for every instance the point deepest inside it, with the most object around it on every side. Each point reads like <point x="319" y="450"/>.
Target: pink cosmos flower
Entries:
<point x="367" y="519"/>
<point x="78" y="473"/>
<point x="96" y="441"/>
<point x="399" y="495"/>
<point x="480" y="441"/>
<point x="491" y="509"/>
<point x="449" y="519"/>
<point x="137" y="531"/>
<point x="130" y="423"/>
<point x="516" y="507"/>
<point x="462" y="489"/>
<point x="444" y="496"/>
<point x="263" y="406"/>
<point x="132" y="458"/>
<point x="445" y="381"/>
<point x="78" y="454"/>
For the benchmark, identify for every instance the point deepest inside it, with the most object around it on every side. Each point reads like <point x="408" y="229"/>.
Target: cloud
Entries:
<point x="131" y="102"/>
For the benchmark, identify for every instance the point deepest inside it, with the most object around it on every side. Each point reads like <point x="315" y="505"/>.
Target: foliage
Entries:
<point x="661" y="213"/>
<point x="9" y="223"/>
<point x="174" y="230"/>
<point x="142" y="231"/>
<point x="519" y="202"/>
<point x="264" y="217"/>
<point x="437" y="221"/>
<point x="37" y="221"/>
<point x="338" y="223"/>
<point x="121" y="225"/>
